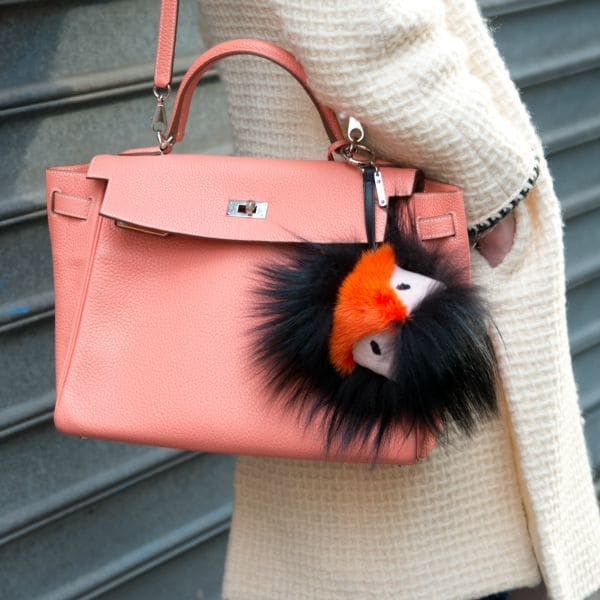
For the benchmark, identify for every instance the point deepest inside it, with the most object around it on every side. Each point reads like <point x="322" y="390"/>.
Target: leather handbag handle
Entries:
<point x="250" y="46"/>
<point x="163" y="71"/>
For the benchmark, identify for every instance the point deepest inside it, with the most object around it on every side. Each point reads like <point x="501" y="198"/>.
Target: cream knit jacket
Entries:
<point x="516" y="502"/>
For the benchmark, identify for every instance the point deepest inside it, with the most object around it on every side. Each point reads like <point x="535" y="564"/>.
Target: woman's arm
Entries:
<point x="397" y="68"/>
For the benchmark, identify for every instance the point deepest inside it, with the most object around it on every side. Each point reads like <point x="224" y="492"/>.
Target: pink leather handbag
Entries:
<point x="157" y="257"/>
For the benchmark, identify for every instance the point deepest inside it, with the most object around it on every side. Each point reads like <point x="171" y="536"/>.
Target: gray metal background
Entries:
<point x="89" y="519"/>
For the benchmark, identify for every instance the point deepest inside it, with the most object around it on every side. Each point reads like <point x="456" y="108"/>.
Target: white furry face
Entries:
<point x="412" y="287"/>
<point x="375" y="352"/>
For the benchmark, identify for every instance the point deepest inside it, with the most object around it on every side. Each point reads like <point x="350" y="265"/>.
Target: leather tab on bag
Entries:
<point x="70" y="206"/>
<point x="430" y="228"/>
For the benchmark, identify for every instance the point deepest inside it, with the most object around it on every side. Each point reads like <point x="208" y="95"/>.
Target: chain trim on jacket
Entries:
<point x="476" y="231"/>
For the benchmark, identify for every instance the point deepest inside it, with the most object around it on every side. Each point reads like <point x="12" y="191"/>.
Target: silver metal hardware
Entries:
<point x="355" y="132"/>
<point x="165" y="144"/>
<point x="362" y="156"/>
<point x="164" y="94"/>
<point x="125" y="225"/>
<point x="380" y="188"/>
<point x="358" y="155"/>
<point x="247" y="208"/>
<point x="160" y="121"/>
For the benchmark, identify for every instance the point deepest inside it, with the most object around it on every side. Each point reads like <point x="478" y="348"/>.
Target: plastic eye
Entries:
<point x="403" y="286"/>
<point x="375" y="347"/>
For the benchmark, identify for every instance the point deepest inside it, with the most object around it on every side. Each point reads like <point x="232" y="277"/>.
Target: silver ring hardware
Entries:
<point x="165" y="144"/>
<point x="160" y="94"/>
<point x="358" y="155"/>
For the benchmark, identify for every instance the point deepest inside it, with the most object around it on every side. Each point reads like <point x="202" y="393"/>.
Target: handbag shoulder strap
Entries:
<point x="165" y="46"/>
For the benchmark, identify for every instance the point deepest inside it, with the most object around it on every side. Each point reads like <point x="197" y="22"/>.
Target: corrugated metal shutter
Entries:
<point x="87" y="519"/>
<point x="84" y="518"/>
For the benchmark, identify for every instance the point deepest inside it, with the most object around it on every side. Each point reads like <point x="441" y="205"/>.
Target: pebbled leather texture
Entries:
<point x="70" y="238"/>
<point x="440" y="219"/>
<point x="254" y="47"/>
<point x="71" y="206"/>
<point x="314" y="200"/>
<point x="165" y="47"/>
<point x="152" y="333"/>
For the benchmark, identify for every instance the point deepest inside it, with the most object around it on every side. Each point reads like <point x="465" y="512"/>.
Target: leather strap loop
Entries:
<point x="250" y="46"/>
<point x="334" y="147"/>
<point x="165" y="46"/>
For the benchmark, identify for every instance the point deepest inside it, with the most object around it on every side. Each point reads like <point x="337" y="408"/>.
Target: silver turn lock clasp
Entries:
<point x="247" y="209"/>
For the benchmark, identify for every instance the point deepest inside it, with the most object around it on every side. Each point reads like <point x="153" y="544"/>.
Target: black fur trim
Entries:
<point x="445" y="369"/>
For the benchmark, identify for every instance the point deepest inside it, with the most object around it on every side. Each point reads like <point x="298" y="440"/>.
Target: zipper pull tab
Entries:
<point x="380" y="188"/>
<point x="355" y="132"/>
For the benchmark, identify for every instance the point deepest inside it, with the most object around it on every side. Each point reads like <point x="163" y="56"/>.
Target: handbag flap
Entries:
<point x="200" y="195"/>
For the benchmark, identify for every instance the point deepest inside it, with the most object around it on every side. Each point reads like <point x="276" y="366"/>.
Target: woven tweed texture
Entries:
<point x="516" y="502"/>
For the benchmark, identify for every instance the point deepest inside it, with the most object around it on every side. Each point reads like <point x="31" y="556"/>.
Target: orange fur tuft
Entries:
<point x="366" y="304"/>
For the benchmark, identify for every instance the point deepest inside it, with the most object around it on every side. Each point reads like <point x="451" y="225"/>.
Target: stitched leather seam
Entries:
<point x="170" y="42"/>
<point x="81" y="305"/>
<point x="436" y="218"/>
<point x="66" y="172"/>
<point x="173" y="38"/>
<point x="438" y="235"/>
<point x="67" y="213"/>
<point x="449" y="232"/>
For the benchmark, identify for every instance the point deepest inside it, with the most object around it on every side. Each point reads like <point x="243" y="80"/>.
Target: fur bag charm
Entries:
<point x="369" y="339"/>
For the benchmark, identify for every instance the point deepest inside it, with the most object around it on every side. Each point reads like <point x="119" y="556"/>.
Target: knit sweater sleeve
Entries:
<point x="397" y="68"/>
